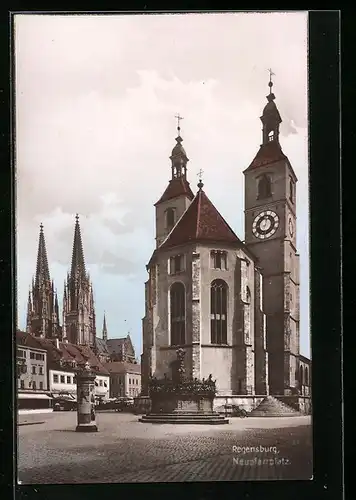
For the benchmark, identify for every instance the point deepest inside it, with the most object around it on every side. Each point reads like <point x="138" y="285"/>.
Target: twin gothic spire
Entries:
<point x="78" y="301"/>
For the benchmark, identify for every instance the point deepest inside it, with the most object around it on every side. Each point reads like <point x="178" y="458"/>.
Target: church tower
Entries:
<point x="42" y="306"/>
<point x="270" y="233"/>
<point x="78" y="301"/>
<point x="178" y="194"/>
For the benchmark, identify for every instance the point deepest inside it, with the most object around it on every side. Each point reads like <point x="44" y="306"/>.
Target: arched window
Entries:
<point x="170" y="218"/>
<point x="270" y="135"/>
<point x="264" y="187"/>
<point x="291" y="191"/>
<point x="248" y="294"/>
<point x="218" y="312"/>
<point x="177" y="310"/>
<point x="301" y="378"/>
<point x="306" y="376"/>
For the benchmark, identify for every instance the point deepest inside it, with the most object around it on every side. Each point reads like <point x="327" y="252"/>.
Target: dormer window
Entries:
<point x="176" y="264"/>
<point x="218" y="259"/>
<point x="170" y="218"/>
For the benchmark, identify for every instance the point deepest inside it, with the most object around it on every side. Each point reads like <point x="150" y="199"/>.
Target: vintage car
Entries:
<point x="64" y="404"/>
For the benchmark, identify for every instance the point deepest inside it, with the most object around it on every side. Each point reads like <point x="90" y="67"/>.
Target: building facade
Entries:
<point x="125" y="379"/>
<point x="32" y="374"/>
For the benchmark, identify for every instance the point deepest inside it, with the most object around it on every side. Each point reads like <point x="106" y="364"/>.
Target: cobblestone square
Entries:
<point x="125" y="450"/>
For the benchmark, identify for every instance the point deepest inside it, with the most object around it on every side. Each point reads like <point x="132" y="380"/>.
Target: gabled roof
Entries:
<point x="70" y="352"/>
<point x="26" y="340"/>
<point x="200" y="222"/>
<point x="177" y="187"/>
<point x="123" y="367"/>
<point x="268" y="153"/>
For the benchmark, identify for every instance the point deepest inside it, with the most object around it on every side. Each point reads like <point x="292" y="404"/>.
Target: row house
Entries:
<point x="125" y="379"/>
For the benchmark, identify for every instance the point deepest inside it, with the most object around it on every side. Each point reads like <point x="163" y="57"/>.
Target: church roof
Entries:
<point x="177" y="187"/>
<point x="200" y="222"/>
<point x="101" y="346"/>
<point x="267" y="154"/>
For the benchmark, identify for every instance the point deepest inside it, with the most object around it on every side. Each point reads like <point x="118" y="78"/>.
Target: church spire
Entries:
<point x="78" y="264"/>
<point x="105" y="331"/>
<point x="270" y="118"/>
<point x="179" y="157"/>
<point x="42" y="269"/>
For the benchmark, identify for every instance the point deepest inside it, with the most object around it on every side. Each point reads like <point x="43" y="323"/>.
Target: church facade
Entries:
<point x="232" y="305"/>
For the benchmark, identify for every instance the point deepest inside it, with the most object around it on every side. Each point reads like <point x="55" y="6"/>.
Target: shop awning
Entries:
<point x="24" y="395"/>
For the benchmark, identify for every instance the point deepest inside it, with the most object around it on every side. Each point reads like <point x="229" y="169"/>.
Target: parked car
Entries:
<point x="235" y="411"/>
<point x="63" y="404"/>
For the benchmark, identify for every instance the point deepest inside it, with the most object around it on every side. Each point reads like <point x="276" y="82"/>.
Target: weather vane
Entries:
<point x="179" y="118"/>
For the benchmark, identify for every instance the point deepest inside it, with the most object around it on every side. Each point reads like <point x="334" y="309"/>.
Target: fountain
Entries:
<point x="182" y="400"/>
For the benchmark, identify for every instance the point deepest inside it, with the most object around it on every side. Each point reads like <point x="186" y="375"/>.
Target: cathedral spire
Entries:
<point x="42" y="269"/>
<point x="105" y="331"/>
<point x="29" y="313"/>
<point x="270" y="118"/>
<point x="78" y="264"/>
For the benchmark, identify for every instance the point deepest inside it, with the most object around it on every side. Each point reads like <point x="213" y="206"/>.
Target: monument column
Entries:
<point x="86" y="400"/>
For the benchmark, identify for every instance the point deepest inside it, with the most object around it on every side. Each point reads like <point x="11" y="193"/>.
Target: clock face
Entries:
<point x="265" y="224"/>
<point x="291" y="228"/>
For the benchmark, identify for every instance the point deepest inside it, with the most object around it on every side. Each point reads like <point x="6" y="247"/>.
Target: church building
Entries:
<point x="232" y="305"/>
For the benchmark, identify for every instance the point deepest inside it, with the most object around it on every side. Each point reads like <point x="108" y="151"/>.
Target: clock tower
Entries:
<point x="270" y="233"/>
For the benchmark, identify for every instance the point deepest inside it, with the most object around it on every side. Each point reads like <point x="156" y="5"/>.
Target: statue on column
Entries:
<point x="181" y="369"/>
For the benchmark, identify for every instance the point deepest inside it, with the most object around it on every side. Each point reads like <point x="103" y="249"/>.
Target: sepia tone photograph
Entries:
<point x="162" y="247"/>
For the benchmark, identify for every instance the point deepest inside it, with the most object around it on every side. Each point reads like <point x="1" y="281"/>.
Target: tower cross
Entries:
<point x="179" y="118"/>
<point x="270" y="83"/>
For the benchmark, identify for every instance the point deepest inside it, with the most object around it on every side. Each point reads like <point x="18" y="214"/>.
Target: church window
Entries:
<point x="176" y="264"/>
<point x="291" y="191"/>
<point x="248" y="294"/>
<point x="170" y="218"/>
<point x="218" y="312"/>
<point x="301" y="376"/>
<point x="218" y="259"/>
<point x="306" y="376"/>
<point x="271" y="136"/>
<point x="177" y="313"/>
<point x="264" y="187"/>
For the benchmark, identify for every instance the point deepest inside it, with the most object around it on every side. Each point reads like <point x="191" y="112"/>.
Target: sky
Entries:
<point x="96" y="99"/>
